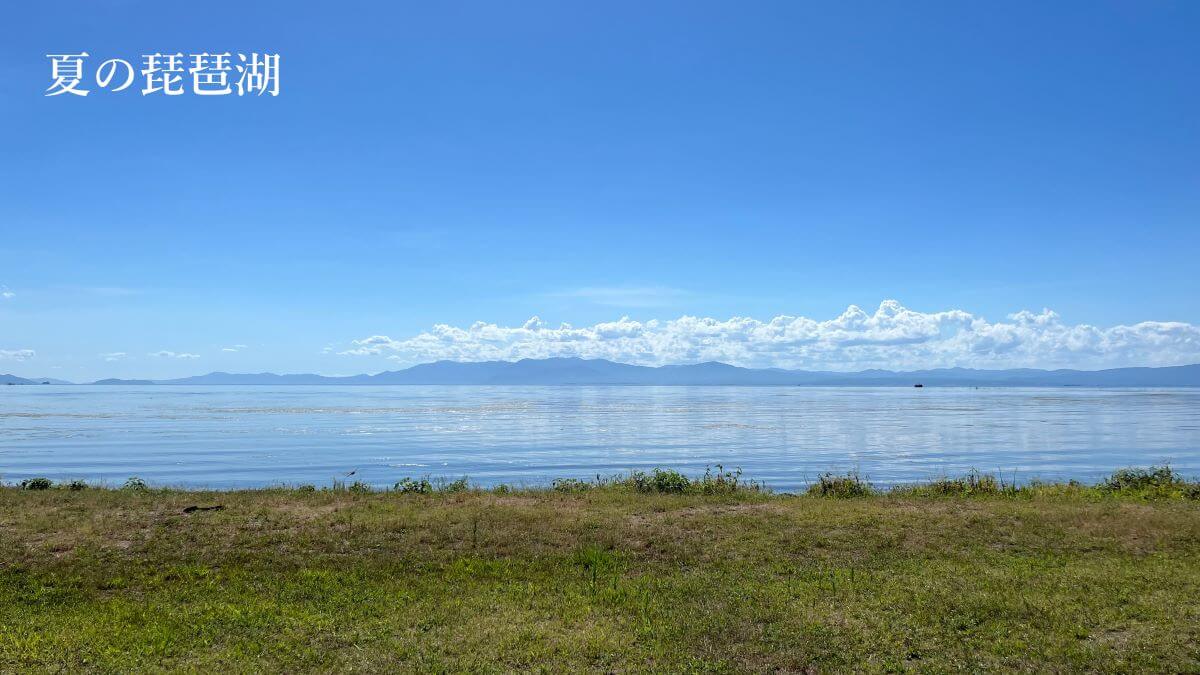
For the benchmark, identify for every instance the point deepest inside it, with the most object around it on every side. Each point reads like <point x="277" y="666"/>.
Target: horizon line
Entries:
<point x="171" y="380"/>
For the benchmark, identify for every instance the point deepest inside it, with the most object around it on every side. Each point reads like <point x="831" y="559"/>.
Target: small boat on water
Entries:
<point x="918" y="386"/>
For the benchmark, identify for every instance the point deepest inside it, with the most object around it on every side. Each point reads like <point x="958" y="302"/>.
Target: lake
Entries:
<point x="248" y="436"/>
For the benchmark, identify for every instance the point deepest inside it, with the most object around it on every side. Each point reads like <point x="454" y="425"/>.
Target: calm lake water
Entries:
<point x="222" y="437"/>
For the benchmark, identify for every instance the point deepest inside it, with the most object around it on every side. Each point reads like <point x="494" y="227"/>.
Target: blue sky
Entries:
<point x="455" y="163"/>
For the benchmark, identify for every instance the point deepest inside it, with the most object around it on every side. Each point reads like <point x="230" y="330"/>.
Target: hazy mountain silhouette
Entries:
<point x="13" y="379"/>
<point x="255" y="378"/>
<point x="568" y="371"/>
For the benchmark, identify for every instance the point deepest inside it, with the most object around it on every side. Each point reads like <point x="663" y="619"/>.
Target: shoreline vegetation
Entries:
<point x="645" y="571"/>
<point x="1155" y="482"/>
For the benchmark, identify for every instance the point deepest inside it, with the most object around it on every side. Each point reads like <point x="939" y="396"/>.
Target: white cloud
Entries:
<point x="891" y="337"/>
<point x="17" y="354"/>
<point x="174" y="355"/>
<point x="6" y="293"/>
<point x="234" y="348"/>
<point x="113" y="356"/>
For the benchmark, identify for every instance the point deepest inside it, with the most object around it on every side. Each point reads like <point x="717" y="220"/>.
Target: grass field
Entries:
<point x="625" y="576"/>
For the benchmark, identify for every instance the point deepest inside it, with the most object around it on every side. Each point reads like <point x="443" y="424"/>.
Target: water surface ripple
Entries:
<point x="241" y="436"/>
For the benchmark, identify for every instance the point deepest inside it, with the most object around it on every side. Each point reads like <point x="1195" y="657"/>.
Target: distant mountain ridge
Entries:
<point x="576" y="371"/>
<point x="13" y="379"/>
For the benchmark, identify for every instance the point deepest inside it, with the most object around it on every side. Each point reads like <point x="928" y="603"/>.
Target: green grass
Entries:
<point x="641" y="574"/>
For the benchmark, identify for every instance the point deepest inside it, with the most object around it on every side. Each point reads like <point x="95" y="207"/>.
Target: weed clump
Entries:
<point x="77" y="485"/>
<point x="422" y="486"/>
<point x="570" y="485"/>
<point x="722" y="482"/>
<point x="848" y="486"/>
<point x="408" y="485"/>
<point x="665" y="481"/>
<point x="359" y="488"/>
<point x="1136" y="479"/>
<point x="454" y="487"/>
<point x="36" y="484"/>
<point x="135" y="484"/>
<point x="973" y="484"/>
<point x="597" y="563"/>
<point x="1156" y="481"/>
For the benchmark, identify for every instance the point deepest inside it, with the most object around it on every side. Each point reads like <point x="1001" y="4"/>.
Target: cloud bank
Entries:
<point x="164" y="354"/>
<point x="892" y="337"/>
<point x="17" y="354"/>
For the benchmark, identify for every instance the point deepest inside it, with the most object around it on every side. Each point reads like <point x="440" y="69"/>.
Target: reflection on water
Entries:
<point x="251" y="436"/>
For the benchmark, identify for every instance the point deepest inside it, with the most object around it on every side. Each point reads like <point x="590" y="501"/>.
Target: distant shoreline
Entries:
<point x="992" y="385"/>
<point x="594" y="372"/>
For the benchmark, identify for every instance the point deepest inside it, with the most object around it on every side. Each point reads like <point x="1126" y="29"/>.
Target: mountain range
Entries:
<point x="575" y="371"/>
<point x="13" y="379"/>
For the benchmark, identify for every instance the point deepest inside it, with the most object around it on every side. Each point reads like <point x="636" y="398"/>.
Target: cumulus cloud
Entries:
<point x="164" y="354"/>
<point x="113" y="356"/>
<point x="17" y="354"/>
<point x="892" y="336"/>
